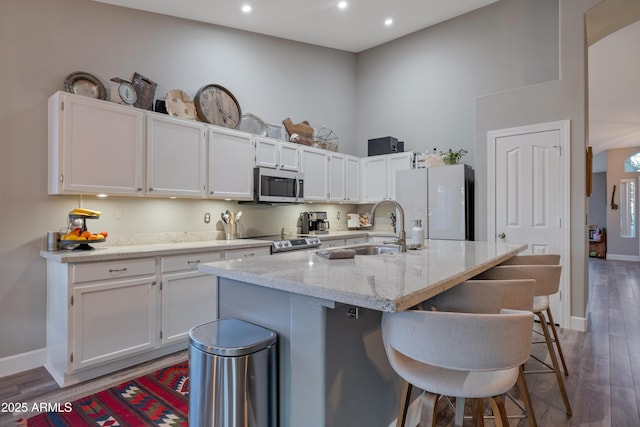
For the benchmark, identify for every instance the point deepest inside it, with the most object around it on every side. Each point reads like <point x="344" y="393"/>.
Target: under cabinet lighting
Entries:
<point x="102" y="196"/>
<point x="246" y="8"/>
<point x="342" y="5"/>
<point x="388" y="22"/>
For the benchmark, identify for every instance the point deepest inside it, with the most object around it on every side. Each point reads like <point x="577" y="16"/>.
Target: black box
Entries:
<point x="400" y="146"/>
<point x="384" y="145"/>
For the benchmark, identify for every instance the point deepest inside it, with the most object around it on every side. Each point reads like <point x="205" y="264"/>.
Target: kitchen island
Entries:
<point x="333" y="370"/>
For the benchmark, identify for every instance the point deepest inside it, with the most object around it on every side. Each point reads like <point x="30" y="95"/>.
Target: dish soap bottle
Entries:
<point x="417" y="235"/>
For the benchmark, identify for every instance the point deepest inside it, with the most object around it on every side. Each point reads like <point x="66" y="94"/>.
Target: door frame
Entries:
<point x="564" y="127"/>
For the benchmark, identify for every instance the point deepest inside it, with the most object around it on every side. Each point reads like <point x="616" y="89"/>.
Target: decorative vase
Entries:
<point x="449" y="161"/>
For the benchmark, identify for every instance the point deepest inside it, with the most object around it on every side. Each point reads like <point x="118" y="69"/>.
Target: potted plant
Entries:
<point x="453" y="157"/>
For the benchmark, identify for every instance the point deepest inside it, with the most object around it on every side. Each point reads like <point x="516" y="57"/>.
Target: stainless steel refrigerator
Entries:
<point x="442" y="197"/>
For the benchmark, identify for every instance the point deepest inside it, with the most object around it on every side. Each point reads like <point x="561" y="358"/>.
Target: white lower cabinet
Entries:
<point x="108" y="315"/>
<point x="188" y="296"/>
<point x="112" y="320"/>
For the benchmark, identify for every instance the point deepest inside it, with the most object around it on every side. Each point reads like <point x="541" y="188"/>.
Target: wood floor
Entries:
<point x="604" y="363"/>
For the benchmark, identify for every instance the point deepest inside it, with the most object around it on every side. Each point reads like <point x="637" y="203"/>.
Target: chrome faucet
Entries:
<point x="402" y="236"/>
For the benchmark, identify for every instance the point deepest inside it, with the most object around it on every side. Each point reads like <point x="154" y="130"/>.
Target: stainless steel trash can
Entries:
<point x="232" y="375"/>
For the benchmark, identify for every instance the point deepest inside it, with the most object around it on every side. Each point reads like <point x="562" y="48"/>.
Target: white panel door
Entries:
<point x="528" y="195"/>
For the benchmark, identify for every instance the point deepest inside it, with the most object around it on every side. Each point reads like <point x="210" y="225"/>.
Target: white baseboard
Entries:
<point x="578" y="323"/>
<point x="22" y="362"/>
<point x="615" y="257"/>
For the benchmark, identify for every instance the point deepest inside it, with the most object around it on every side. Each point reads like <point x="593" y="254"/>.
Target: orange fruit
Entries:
<point x="85" y="234"/>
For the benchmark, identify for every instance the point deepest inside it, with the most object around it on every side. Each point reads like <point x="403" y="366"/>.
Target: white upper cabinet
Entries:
<point x="176" y="157"/>
<point x="231" y="160"/>
<point x="314" y="165"/>
<point x="94" y="146"/>
<point x="352" y="179"/>
<point x="337" y="177"/>
<point x="271" y="153"/>
<point x="379" y="175"/>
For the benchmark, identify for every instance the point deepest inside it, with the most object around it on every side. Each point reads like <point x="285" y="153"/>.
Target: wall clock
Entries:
<point x="218" y="106"/>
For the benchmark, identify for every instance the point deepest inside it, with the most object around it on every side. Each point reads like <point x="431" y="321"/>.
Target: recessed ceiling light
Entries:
<point x="246" y="8"/>
<point x="342" y="5"/>
<point x="388" y="22"/>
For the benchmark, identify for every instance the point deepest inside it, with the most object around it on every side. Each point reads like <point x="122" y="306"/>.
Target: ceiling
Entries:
<point x="357" y="27"/>
<point x="614" y="90"/>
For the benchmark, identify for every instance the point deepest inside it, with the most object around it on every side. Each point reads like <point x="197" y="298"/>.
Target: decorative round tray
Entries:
<point x="85" y="84"/>
<point x="179" y="104"/>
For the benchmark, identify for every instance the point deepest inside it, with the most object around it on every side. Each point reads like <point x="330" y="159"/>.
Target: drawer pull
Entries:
<point x="249" y="255"/>
<point x="117" y="270"/>
<point x="193" y="262"/>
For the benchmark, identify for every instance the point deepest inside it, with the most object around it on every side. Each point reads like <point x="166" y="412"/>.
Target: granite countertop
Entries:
<point x="107" y="253"/>
<point x="387" y="282"/>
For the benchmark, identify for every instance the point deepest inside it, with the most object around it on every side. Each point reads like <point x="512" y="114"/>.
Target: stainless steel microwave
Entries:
<point x="278" y="186"/>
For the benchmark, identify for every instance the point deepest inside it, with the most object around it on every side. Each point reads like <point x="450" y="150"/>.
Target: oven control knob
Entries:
<point x="279" y="244"/>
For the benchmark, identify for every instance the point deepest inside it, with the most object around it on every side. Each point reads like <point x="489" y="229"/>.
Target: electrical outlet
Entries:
<point x="207" y="218"/>
<point x="338" y="215"/>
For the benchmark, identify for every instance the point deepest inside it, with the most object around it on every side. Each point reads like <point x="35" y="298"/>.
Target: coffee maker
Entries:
<point x="314" y="222"/>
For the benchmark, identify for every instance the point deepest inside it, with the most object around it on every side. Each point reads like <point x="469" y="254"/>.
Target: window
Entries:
<point x="632" y="163"/>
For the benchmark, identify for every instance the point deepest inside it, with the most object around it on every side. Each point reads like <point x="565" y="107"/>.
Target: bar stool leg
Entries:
<point x="558" y="346"/>
<point x="428" y="413"/>
<point x="554" y="362"/>
<point x="403" y="407"/>
<point x="526" y="398"/>
<point x="459" y="418"/>
<point x="499" y="411"/>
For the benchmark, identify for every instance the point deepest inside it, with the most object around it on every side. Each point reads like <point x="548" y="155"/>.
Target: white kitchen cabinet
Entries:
<point x="231" y="160"/>
<point x="337" y="177"/>
<point x="176" y="157"/>
<point x="99" y="313"/>
<point x="379" y="175"/>
<point x="94" y="146"/>
<point x="189" y="298"/>
<point x="314" y="165"/>
<point x="352" y="179"/>
<point x="246" y="253"/>
<point x="113" y="319"/>
<point x="271" y="153"/>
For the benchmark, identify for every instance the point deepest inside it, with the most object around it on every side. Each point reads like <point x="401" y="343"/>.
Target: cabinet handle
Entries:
<point x="193" y="262"/>
<point x="139" y="188"/>
<point x="150" y="188"/>
<point x="248" y="255"/>
<point x="117" y="270"/>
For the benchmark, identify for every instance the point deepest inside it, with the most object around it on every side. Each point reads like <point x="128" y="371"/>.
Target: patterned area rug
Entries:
<point x="157" y="399"/>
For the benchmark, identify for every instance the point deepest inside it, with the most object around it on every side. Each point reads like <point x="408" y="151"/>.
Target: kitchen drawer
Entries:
<point x="246" y="253"/>
<point x="94" y="271"/>
<point x="355" y="241"/>
<point x="189" y="261"/>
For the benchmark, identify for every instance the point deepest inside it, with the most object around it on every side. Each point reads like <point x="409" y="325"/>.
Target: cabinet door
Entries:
<point x="188" y="299"/>
<point x="231" y="160"/>
<point x="374" y="179"/>
<point x="396" y="162"/>
<point x="289" y="157"/>
<point x="337" y="177"/>
<point x="176" y="157"/>
<point x="267" y="153"/>
<point x="352" y="179"/>
<point x="314" y="166"/>
<point x="112" y="320"/>
<point x="94" y="146"/>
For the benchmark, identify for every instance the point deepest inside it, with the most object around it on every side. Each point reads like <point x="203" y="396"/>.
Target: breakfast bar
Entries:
<point x="332" y="365"/>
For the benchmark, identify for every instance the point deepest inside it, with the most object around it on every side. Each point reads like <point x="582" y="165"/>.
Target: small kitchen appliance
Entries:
<point x="314" y="222"/>
<point x="353" y="220"/>
<point x="278" y="186"/>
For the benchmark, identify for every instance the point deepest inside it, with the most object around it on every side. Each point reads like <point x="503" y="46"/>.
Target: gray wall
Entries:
<point x="617" y="245"/>
<point x="598" y="201"/>
<point x="41" y="41"/>
<point x="422" y="88"/>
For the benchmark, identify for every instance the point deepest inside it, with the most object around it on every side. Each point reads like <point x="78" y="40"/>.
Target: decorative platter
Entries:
<point x="217" y="105"/>
<point x="180" y="105"/>
<point x="85" y="84"/>
<point x="252" y="124"/>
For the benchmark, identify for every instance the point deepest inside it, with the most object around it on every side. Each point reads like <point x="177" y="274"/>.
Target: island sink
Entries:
<point x="374" y="249"/>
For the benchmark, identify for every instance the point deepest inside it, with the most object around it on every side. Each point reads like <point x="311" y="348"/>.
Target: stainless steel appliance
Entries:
<point x="314" y="222"/>
<point x="277" y="186"/>
<point x="281" y="243"/>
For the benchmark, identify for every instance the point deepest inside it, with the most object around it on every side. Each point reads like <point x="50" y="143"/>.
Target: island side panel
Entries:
<point x="300" y="324"/>
<point x="362" y="388"/>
